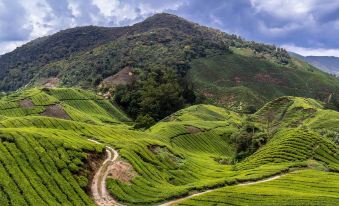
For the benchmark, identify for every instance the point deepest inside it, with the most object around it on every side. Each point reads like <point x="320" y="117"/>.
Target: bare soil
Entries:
<point x="121" y="171"/>
<point x="94" y="161"/>
<point x="56" y="111"/>
<point x="52" y="82"/>
<point x="192" y="129"/>
<point x="99" y="191"/>
<point x="123" y="77"/>
<point x="26" y="103"/>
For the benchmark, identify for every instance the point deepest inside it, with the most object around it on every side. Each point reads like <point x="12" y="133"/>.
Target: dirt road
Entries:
<point x="99" y="192"/>
<point x="102" y="197"/>
<point x="207" y="191"/>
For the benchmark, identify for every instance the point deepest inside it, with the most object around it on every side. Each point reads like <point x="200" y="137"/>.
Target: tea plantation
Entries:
<point x="47" y="158"/>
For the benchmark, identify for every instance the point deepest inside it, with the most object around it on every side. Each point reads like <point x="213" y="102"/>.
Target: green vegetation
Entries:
<point x="46" y="154"/>
<point x="36" y="167"/>
<point x="175" y="63"/>
<point x="47" y="158"/>
<point x="306" y="187"/>
<point x="245" y="81"/>
<point x="156" y="97"/>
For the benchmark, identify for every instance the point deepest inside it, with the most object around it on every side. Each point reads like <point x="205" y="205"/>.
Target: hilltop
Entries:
<point x="166" y="51"/>
<point x="54" y="140"/>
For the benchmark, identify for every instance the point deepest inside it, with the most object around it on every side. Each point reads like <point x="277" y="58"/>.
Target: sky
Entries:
<point x="308" y="27"/>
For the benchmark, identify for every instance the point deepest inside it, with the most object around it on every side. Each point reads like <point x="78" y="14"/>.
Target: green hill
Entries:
<point x="49" y="158"/>
<point x="200" y="64"/>
<point x="246" y="80"/>
<point x="70" y="146"/>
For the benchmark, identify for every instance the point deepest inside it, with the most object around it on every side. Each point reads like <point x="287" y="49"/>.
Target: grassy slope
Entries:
<point x="178" y="155"/>
<point x="245" y="79"/>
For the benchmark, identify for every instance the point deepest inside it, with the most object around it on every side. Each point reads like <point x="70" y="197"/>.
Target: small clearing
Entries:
<point x="26" y="103"/>
<point x="121" y="171"/>
<point x="56" y="111"/>
<point x="123" y="77"/>
<point x="192" y="129"/>
<point x="52" y="82"/>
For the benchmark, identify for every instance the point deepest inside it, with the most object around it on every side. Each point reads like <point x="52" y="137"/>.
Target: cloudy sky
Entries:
<point x="309" y="27"/>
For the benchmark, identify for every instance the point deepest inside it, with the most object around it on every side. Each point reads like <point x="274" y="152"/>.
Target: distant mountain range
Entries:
<point x="328" y="64"/>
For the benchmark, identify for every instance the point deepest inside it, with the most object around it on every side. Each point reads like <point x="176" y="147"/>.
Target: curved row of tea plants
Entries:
<point x="305" y="187"/>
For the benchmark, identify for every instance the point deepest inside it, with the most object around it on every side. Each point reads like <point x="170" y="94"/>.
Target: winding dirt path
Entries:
<point x="102" y="197"/>
<point x="100" y="194"/>
<point x="207" y="191"/>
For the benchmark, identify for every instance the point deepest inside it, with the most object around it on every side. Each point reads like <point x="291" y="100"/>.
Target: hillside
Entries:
<point x="245" y="81"/>
<point x="53" y="143"/>
<point x="328" y="64"/>
<point x="165" y="51"/>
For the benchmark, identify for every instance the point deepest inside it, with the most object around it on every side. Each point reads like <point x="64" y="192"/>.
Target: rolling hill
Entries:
<point x="53" y="142"/>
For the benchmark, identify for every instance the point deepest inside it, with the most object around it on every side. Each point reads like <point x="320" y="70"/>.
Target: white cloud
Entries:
<point x="37" y="10"/>
<point x="107" y="6"/>
<point x="10" y="46"/>
<point x="286" y="8"/>
<point x="44" y="17"/>
<point x="297" y="10"/>
<point x="132" y="10"/>
<point x="312" y="23"/>
<point x="312" y="51"/>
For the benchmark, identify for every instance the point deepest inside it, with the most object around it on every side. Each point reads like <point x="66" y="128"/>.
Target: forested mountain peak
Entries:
<point x="165" y="51"/>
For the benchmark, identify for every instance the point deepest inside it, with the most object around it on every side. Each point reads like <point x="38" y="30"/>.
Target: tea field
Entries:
<point x="47" y="158"/>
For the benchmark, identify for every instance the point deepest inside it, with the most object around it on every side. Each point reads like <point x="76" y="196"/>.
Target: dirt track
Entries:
<point x="100" y="194"/>
<point x="102" y="197"/>
<point x="207" y="191"/>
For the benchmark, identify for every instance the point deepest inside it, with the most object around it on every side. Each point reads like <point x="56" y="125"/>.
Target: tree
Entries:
<point x="157" y="94"/>
<point x="144" y="121"/>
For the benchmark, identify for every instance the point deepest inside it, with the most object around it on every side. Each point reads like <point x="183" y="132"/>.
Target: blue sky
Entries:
<point x="309" y="27"/>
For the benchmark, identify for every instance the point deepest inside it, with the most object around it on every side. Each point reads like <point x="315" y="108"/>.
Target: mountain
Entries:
<point x="328" y="64"/>
<point x="165" y="112"/>
<point x="174" y="62"/>
<point x="68" y="146"/>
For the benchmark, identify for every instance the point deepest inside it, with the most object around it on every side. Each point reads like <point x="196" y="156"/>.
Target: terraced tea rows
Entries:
<point x="306" y="187"/>
<point x="294" y="145"/>
<point x="36" y="168"/>
<point x="191" y="150"/>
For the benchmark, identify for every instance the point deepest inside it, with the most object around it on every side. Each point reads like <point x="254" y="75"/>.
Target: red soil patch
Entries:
<point x="123" y="77"/>
<point x="122" y="171"/>
<point x="55" y="111"/>
<point x="26" y="103"/>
